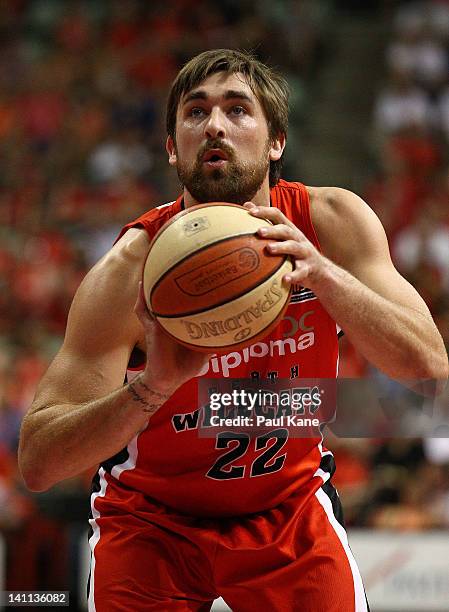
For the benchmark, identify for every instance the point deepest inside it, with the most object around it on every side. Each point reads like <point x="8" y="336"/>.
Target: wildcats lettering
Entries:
<point x="185" y="421"/>
<point x="206" y="329"/>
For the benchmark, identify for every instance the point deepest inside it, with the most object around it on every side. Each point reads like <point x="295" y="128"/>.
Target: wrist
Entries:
<point x="156" y="386"/>
<point x="148" y="399"/>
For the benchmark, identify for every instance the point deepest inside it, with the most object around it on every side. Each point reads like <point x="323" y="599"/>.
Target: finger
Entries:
<point x="298" y="275"/>
<point x="281" y="232"/>
<point x="140" y="307"/>
<point x="298" y="250"/>
<point x="249" y="205"/>
<point x="271" y="214"/>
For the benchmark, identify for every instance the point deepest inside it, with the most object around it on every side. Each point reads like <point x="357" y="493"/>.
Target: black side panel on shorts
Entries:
<point x="107" y="465"/>
<point x="332" y="494"/>
<point x="117" y="459"/>
<point x="327" y="464"/>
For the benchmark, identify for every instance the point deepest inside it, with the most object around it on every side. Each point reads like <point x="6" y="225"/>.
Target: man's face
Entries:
<point x="222" y="151"/>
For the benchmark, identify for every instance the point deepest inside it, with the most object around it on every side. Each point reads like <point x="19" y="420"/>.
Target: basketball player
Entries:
<point x="178" y="520"/>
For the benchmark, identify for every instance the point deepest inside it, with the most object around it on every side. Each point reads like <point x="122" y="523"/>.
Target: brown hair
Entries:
<point x="270" y="88"/>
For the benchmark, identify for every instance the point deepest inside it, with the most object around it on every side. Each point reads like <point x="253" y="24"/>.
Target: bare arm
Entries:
<point x="82" y="414"/>
<point x="381" y="313"/>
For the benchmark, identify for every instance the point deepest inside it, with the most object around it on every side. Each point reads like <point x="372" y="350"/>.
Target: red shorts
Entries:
<point x="293" y="557"/>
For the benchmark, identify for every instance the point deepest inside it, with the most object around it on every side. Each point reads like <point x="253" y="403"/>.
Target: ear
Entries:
<point x="171" y="150"/>
<point x="277" y="147"/>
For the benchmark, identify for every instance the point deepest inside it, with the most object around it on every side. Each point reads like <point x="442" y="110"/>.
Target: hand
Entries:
<point x="308" y="263"/>
<point x="169" y="363"/>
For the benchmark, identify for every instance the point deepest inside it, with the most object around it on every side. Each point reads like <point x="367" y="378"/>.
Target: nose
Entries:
<point x="215" y="125"/>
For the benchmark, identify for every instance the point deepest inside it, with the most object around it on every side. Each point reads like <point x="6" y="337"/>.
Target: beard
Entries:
<point x="236" y="183"/>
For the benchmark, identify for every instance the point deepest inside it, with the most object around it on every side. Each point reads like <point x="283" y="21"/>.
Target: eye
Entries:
<point x="237" y="110"/>
<point x="196" y="111"/>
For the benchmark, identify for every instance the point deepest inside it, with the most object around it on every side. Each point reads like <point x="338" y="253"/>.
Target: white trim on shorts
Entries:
<point x="129" y="464"/>
<point x="93" y="540"/>
<point x="359" y="591"/>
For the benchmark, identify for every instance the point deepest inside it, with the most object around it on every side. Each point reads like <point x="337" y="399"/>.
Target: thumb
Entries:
<point x="141" y="308"/>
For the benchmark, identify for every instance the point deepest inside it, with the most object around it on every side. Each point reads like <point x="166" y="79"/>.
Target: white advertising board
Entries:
<point x="403" y="571"/>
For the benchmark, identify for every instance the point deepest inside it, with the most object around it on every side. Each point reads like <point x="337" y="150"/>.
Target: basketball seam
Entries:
<point x="222" y="303"/>
<point x="205" y="348"/>
<point x="189" y="254"/>
<point x="182" y="213"/>
<point x="231" y="280"/>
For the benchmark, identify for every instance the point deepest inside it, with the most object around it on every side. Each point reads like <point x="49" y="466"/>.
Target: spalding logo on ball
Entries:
<point x="209" y="281"/>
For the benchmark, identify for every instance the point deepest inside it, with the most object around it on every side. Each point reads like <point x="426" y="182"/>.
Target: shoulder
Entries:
<point x="123" y="262"/>
<point x="131" y="246"/>
<point x="152" y="220"/>
<point x="109" y="290"/>
<point x="345" y="225"/>
<point x="337" y="204"/>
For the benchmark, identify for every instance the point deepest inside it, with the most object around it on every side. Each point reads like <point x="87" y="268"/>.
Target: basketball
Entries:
<point x="209" y="280"/>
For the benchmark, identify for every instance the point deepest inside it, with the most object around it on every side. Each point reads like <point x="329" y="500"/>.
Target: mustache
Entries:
<point x="216" y="143"/>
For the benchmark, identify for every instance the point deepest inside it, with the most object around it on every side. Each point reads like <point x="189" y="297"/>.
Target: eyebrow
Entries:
<point x="230" y="94"/>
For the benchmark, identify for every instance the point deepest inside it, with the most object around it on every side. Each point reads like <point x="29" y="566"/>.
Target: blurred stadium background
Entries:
<point x="82" y="94"/>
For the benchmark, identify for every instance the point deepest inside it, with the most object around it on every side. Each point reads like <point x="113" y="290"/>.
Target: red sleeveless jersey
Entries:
<point x="204" y="476"/>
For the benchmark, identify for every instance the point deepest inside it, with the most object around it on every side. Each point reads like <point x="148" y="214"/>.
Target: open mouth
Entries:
<point x="215" y="157"/>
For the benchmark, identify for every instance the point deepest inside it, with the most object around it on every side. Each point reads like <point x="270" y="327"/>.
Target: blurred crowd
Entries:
<point x="404" y="483"/>
<point x="83" y="86"/>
